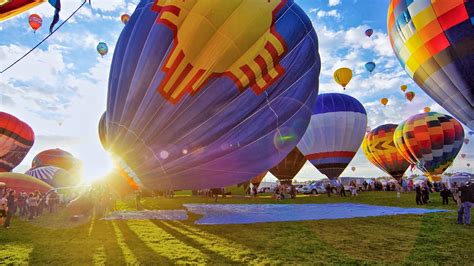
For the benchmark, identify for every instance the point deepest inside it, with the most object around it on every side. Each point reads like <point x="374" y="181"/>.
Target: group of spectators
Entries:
<point x="25" y="205"/>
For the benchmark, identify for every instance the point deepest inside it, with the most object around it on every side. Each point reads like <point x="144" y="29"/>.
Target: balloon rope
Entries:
<point x="45" y="38"/>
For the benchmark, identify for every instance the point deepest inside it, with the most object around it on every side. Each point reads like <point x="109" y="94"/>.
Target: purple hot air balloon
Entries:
<point x="194" y="106"/>
<point x="369" y="32"/>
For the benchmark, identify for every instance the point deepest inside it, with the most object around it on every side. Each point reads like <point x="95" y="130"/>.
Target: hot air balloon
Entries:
<point x="384" y="101"/>
<point x="199" y="101"/>
<point x="410" y="95"/>
<point x="55" y="157"/>
<point x="289" y="167"/>
<point x="353" y="169"/>
<point x="379" y="143"/>
<point x="11" y="8"/>
<point x="102" y="48"/>
<point x="468" y="165"/>
<point x="403" y="88"/>
<point x="343" y="76"/>
<point x="35" y="21"/>
<point x="427" y="109"/>
<point x="258" y="179"/>
<point x="369" y="32"/>
<point x="16" y="139"/>
<point x="432" y="42"/>
<point x="24" y="183"/>
<point x="370" y="66"/>
<point x="54" y="176"/>
<point x="463" y="155"/>
<point x="431" y="140"/>
<point x="466" y="141"/>
<point x="125" y="18"/>
<point x="334" y="134"/>
<point x="471" y="133"/>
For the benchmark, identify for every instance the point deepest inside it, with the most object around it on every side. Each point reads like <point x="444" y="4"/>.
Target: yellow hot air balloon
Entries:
<point x="384" y="101"/>
<point x="343" y="76"/>
<point x="427" y="109"/>
<point x="403" y="88"/>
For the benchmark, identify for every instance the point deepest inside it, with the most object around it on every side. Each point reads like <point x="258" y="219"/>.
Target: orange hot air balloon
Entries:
<point x="35" y="21"/>
<point x="410" y="95"/>
<point x="343" y="76"/>
<point x="427" y="109"/>
<point x="384" y="101"/>
<point x="125" y="18"/>
<point x="403" y="88"/>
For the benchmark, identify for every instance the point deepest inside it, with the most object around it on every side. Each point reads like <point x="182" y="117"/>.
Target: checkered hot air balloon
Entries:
<point x="433" y="41"/>
<point x="335" y="132"/>
<point x="382" y="152"/>
<point x="16" y="139"/>
<point x="202" y="101"/>
<point x="431" y="140"/>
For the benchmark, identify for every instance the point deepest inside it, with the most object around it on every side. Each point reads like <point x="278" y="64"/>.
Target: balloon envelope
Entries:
<point x="191" y="107"/>
<point x="432" y="140"/>
<point x="125" y="18"/>
<point x="384" y="101"/>
<point x="410" y="95"/>
<point x="433" y="42"/>
<point x="370" y="66"/>
<point x="380" y="145"/>
<point x="343" y="76"/>
<point x="335" y="132"/>
<point x="289" y="167"/>
<point x="24" y="183"/>
<point x="369" y="32"/>
<point x="11" y="8"/>
<point x="102" y="48"/>
<point x="35" y="21"/>
<point x="16" y="139"/>
<point x="55" y="157"/>
<point x="403" y="88"/>
<point x="54" y="176"/>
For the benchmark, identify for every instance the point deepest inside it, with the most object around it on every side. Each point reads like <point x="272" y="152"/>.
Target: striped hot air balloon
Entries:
<point x="54" y="176"/>
<point x="16" y="139"/>
<point x="380" y="145"/>
<point x="55" y="157"/>
<point x="335" y="132"/>
<point x="433" y="41"/>
<point x="431" y="140"/>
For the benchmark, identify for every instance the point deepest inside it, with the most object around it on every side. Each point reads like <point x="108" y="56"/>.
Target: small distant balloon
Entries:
<point x="384" y="101"/>
<point x="343" y="76"/>
<point x="369" y="32"/>
<point x="353" y="168"/>
<point x="102" y="49"/>
<point x="468" y="165"/>
<point x="35" y="22"/>
<point x="410" y="95"/>
<point x="125" y="18"/>
<point x="466" y="141"/>
<point x="427" y="109"/>
<point x="370" y="66"/>
<point x="463" y="155"/>
<point x="403" y="88"/>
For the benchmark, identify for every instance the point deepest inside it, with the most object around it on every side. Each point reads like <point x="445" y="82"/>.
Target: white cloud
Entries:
<point x="334" y="2"/>
<point x="331" y="13"/>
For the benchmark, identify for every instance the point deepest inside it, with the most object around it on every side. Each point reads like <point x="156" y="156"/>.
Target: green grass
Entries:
<point x="404" y="239"/>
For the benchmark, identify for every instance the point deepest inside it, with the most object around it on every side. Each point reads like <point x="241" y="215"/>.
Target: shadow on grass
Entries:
<point x="143" y="253"/>
<point x="214" y="256"/>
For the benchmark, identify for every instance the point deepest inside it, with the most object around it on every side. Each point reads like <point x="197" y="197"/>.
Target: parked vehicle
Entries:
<point x="317" y="187"/>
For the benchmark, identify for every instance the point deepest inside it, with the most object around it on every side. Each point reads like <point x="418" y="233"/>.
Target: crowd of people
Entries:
<point x="25" y="205"/>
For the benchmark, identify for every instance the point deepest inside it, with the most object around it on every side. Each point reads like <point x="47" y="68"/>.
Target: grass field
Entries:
<point x="430" y="238"/>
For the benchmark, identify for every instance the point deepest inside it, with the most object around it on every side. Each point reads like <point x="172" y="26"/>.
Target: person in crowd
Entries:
<point x="365" y="184"/>
<point x="138" y="198"/>
<point x="419" y="197"/>
<point x="53" y="201"/>
<point x="11" y="208"/>
<point x="353" y="188"/>
<point x="21" y="202"/>
<point x="425" y="194"/>
<point x="32" y="203"/>
<point x="3" y="209"/>
<point x="444" y="193"/>
<point x="254" y="191"/>
<point x="467" y="201"/>
<point x="411" y="185"/>
<point x="328" y="189"/>
<point x="343" y="191"/>
<point x="292" y="191"/>
<point x="457" y="199"/>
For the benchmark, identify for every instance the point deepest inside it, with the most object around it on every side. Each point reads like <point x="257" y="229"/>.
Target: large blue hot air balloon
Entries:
<point x="335" y="133"/>
<point x="205" y="94"/>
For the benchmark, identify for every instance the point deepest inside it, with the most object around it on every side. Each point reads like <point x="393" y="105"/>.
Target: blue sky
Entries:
<point x="61" y="88"/>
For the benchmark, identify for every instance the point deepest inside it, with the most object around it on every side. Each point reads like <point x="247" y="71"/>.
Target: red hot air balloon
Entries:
<point x="16" y="139"/>
<point x="410" y="95"/>
<point x="24" y="183"/>
<point x="55" y="157"/>
<point x="125" y="18"/>
<point x="35" y="21"/>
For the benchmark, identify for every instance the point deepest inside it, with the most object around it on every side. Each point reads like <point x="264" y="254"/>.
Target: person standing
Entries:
<point x="444" y="193"/>
<point x="328" y="189"/>
<point x="11" y="205"/>
<point x="32" y="202"/>
<point x="419" y="198"/>
<point x="467" y="201"/>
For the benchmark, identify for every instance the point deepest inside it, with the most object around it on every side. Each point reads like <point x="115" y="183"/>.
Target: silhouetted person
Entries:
<point x="419" y="200"/>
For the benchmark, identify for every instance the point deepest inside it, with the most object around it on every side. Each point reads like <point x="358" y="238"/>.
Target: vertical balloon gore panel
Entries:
<point x="192" y="105"/>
